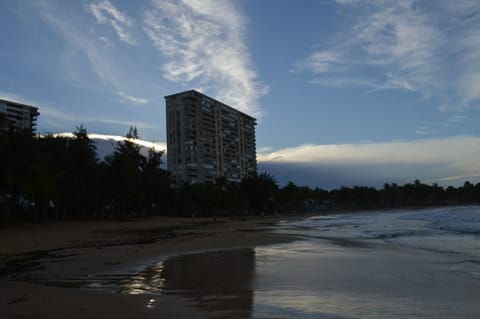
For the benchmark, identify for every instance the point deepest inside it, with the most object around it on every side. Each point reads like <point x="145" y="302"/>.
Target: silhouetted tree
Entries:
<point x="16" y="169"/>
<point x="80" y="191"/>
<point x="259" y="191"/>
<point x="51" y="178"/>
<point x="125" y="175"/>
<point x="156" y="183"/>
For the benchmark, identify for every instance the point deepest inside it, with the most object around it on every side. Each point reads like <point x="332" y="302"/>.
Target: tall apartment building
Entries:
<point x="207" y="139"/>
<point x="17" y="116"/>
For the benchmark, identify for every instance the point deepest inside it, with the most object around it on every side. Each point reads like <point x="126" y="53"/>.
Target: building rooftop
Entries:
<point x="211" y="98"/>
<point x="18" y="104"/>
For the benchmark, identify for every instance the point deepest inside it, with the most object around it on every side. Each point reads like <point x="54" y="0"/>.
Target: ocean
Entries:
<point x="398" y="264"/>
<point x="453" y="231"/>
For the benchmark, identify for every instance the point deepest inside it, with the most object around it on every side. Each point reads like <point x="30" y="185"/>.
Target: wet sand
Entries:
<point x="35" y="257"/>
<point x="329" y="280"/>
<point x="195" y="268"/>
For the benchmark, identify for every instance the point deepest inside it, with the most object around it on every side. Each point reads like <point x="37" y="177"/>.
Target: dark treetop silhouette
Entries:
<point x="52" y="178"/>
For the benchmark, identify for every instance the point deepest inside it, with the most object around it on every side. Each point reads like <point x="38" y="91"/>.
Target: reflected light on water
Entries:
<point x="151" y="304"/>
<point x="315" y="304"/>
<point x="149" y="280"/>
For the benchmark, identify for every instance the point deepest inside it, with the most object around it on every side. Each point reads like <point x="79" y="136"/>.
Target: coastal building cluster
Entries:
<point x="206" y="139"/>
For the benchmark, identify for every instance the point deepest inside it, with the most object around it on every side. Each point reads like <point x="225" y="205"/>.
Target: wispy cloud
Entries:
<point x="105" y="13"/>
<point x="106" y="41"/>
<point x="324" y="61"/>
<point x="403" y="45"/>
<point x="204" y="45"/>
<point x="52" y="117"/>
<point x="59" y="119"/>
<point x="46" y="111"/>
<point x="99" y="60"/>
<point x="79" y="42"/>
<point x="132" y="99"/>
<point x="438" y="159"/>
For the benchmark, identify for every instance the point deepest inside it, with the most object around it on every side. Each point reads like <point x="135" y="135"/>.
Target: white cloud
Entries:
<point x="159" y="146"/>
<point x="321" y="62"/>
<point x="398" y="33"/>
<point x="106" y="144"/>
<point x="429" y="47"/>
<point x="439" y="159"/>
<point x="427" y="151"/>
<point x="398" y="83"/>
<point x="204" y="45"/>
<point x="132" y="99"/>
<point x="105" y="13"/>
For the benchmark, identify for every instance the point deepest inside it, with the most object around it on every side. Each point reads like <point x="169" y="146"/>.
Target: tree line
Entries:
<point x="52" y="178"/>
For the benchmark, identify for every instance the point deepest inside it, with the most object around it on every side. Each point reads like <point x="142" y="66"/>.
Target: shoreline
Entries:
<point x="32" y="254"/>
<point x="233" y="268"/>
<point x="28" y="237"/>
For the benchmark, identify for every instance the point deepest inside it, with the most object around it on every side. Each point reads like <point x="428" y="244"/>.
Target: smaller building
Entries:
<point x="17" y="116"/>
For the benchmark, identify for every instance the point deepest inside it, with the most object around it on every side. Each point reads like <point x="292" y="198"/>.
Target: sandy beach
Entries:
<point x="74" y="249"/>
<point x="375" y="265"/>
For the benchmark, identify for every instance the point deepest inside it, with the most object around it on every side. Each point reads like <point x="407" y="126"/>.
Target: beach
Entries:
<point x="399" y="264"/>
<point x="80" y="249"/>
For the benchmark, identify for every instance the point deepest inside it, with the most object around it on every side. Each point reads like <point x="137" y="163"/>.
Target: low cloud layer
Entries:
<point x="447" y="161"/>
<point x="106" y="144"/>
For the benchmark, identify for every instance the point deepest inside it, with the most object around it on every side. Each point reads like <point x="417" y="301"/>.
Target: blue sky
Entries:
<point x="347" y="92"/>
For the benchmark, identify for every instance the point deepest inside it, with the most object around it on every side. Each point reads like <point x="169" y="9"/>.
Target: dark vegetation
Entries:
<point x="55" y="178"/>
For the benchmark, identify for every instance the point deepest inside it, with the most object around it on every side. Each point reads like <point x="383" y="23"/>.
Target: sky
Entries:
<point x="346" y="92"/>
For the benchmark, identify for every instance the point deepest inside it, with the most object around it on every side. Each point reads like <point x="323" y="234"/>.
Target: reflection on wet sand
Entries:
<point x="149" y="280"/>
<point x="219" y="281"/>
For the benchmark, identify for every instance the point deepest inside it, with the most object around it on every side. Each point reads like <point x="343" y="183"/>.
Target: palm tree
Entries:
<point x="260" y="191"/>
<point x="79" y="189"/>
<point x="125" y="175"/>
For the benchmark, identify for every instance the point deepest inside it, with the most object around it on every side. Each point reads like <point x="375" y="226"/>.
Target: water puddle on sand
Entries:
<point x="219" y="281"/>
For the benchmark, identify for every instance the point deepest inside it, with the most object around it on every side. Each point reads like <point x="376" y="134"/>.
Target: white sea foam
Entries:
<point x="452" y="230"/>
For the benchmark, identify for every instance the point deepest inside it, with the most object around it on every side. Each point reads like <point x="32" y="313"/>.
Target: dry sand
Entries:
<point x="73" y="249"/>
